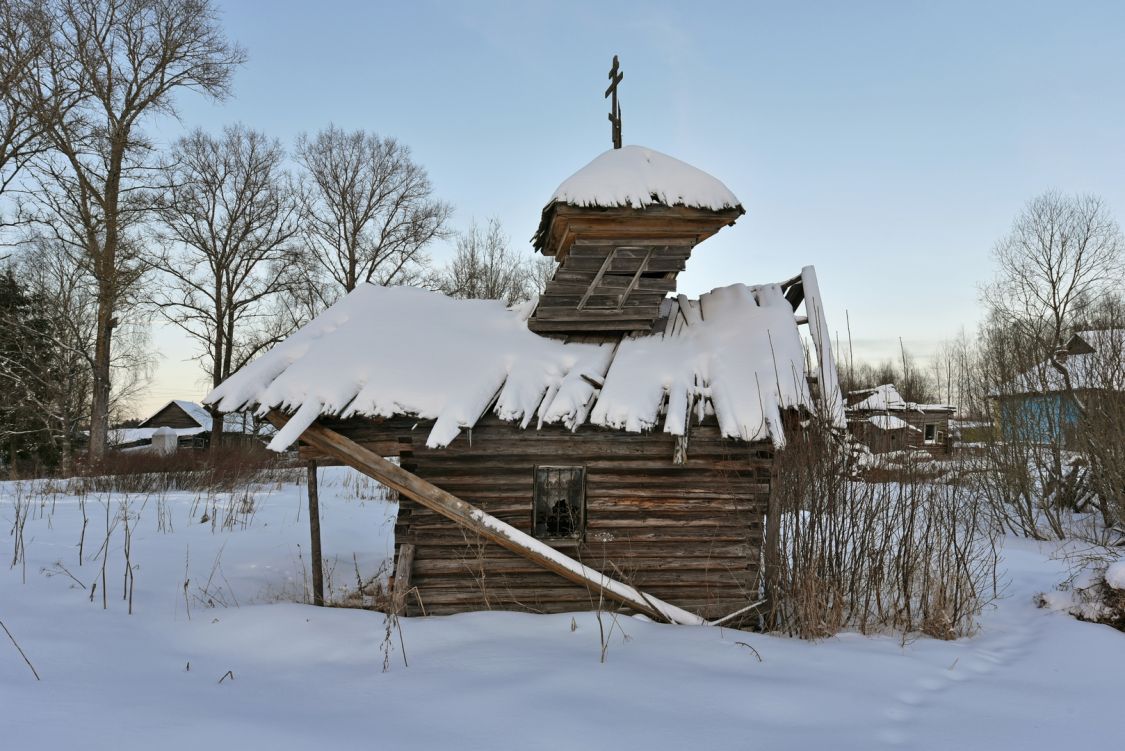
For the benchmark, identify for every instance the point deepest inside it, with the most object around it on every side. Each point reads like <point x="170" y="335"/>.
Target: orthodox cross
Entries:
<point x="615" y="77"/>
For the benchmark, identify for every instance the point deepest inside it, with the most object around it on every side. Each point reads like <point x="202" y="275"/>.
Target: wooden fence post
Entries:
<point x="314" y="533"/>
<point x="402" y="578"/>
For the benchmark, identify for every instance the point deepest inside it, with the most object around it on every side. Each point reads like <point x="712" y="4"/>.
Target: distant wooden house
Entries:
<point x="608" y="442"/>
<point x="192" y="425"/>
<point x="1038" y="407"/>
<point x="883" y="421"/>
<point x="178" y="414"/>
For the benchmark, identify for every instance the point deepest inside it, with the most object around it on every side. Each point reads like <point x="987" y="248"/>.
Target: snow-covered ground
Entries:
<point x="306" y="677"/>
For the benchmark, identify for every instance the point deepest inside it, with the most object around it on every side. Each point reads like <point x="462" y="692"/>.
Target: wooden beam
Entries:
<point x="489" y="527"/>
<point x="618" y="327"/>
<point x="597" y="278"/>
<point x="636" y="278"/>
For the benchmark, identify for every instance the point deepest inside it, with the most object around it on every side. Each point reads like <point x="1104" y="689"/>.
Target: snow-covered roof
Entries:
<point x="636" y="177"/>
<point x="232" y="423"/>
<point x="889" y="422"/>
<point x="885" y="398"/>
<point x="194" y="411"/>
<point x="382" y="351"/>
<point x="1103" y="340"/>
<point x="1099" y="365"/>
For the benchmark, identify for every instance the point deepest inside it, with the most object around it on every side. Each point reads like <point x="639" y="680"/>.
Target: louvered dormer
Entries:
<point x="621" y="229"/>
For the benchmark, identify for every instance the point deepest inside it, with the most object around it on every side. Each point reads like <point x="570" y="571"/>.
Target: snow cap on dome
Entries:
<point x="636" y="177"/>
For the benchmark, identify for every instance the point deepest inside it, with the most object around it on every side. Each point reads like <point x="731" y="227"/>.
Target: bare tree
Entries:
<point x="48" y="372"/>
<point x="1062" y="259"/>
<point x="1062" y="252"/>
<point x="485" y="267"/>
<point x="111" y="63"/>
<point x="55" y="381"/>
<point x="24" y="33"/>
<point x="542" y="272"/>
<point x="1100" y="434"/>
<point x="367" y="212"/>
<point x="911" y="381"/>
<point x="229" y="212"/>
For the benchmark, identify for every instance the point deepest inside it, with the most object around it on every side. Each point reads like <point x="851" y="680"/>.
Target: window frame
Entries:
<point x="577" y="508"/>
<point x="930" y="433"/>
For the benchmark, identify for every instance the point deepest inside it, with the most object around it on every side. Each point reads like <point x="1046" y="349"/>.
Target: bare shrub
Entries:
<point x="1100" y="433"/>
<point x="1054" y="467"/>
<point x="232" y="469"/>
<point x="908" y="555"/>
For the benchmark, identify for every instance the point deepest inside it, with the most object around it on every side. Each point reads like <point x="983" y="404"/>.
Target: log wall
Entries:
<point x="880" y="441"/>
<point x="687" y="533"/>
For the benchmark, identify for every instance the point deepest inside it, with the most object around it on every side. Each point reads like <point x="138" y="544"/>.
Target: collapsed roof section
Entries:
<point x="885" y="398"/>
<point x="735" y="353"/>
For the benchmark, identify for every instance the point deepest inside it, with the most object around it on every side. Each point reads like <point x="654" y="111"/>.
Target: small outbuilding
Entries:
<point x="611" y="443"/>
<point x="883" y="421"/>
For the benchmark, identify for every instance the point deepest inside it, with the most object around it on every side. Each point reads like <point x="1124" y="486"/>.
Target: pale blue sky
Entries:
<point x="888" y="143"/>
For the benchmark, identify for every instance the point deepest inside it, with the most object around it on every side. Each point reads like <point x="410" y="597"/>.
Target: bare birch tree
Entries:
<point x="367" y="212"/>
<point x="110" y="64"/>
<point x="229" y="213"/>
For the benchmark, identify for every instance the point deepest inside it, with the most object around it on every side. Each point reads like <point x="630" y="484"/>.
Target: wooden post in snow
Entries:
<point x="772" y="551"/>
<point x="489" y="527"/>
<point x="314" y="533"/>
<point x="402" y="578"/>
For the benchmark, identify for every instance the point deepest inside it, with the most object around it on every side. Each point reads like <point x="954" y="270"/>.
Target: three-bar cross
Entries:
<point x="615" y="77"/>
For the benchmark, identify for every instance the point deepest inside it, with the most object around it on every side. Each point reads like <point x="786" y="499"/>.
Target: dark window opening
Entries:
<point x="560" y="503"/>
<point x="931" y="433"/>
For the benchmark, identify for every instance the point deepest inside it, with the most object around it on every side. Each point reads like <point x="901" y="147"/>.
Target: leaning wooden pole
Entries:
<point x="314" y="534"/>
<point x="489" y="527"/>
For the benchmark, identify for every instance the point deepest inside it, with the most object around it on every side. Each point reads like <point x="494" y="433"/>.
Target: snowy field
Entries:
<point x="306" y="677"/>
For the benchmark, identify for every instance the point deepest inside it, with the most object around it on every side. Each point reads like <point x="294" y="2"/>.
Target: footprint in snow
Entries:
<point x="982" y="660"/>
